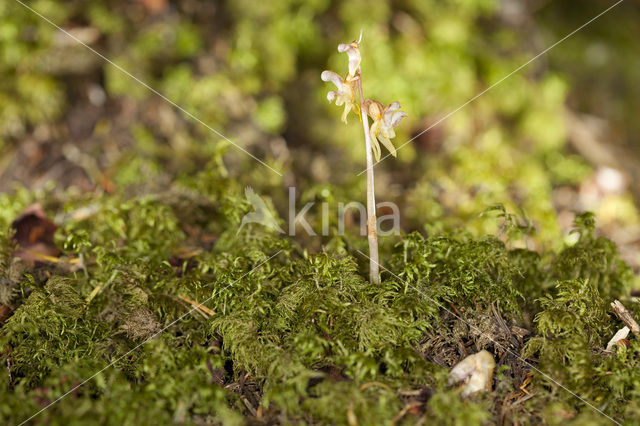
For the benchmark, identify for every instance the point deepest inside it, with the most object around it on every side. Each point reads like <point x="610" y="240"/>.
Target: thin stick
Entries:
<point x="372" y="232"/>
<point x="626" y="317"/>
<point x="206" y="312"/>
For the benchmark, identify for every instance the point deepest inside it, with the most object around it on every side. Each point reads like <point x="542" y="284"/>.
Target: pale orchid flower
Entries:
<point x="380" y="132"/>
<point x="384" y="121"/>
<point x="346" y="93"/>
<point x="354" y="55"/>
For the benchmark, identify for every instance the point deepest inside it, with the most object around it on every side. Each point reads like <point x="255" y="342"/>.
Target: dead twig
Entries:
<point x="247" y="404"/>
<point x="626" y="317"/>
<point x="502" y="324"/>
<point x="371" y="384"/>
<point x="200" y="308"/>
<point x="410" y="392"/>
<point x="406" y="409"/>
<point x="524" y="398"/>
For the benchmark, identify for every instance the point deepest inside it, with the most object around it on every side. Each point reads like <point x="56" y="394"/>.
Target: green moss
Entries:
<point x="305" y="337"/>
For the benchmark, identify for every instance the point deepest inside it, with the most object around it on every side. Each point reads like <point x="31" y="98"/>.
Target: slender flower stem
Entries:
<point x="372" y="232"/>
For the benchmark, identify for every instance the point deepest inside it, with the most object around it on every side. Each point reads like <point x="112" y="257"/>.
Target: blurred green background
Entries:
<point x="559" y="136"/>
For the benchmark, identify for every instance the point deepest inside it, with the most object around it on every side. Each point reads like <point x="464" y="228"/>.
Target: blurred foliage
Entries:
<point x="251" y="72"/>
<point x="601" y="63"/>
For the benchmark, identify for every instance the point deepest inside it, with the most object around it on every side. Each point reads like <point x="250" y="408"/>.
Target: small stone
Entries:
<point x="477" y="372"/>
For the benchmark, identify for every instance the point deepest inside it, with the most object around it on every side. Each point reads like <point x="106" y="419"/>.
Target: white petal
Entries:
<point x="388" y="132"/>
<point x="388" y="112"/>
<point x="346" y="93"/>
<point x="375" y="146"/>
<point x="331" y="96"/>
<point x="347" y="109"/>
<point x="394" y="106"/>
<point x="354" y="57"/>
<point x="387" y="144"/>
<point x="354" y="61"/>
<point x="332" y="77"/>
<point x="396" y="118"/>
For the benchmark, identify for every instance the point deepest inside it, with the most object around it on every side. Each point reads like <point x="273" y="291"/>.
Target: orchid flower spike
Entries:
<point x="346" y="93"/>
<point x="354" y="55"/>
<point x="384" y="120"/>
